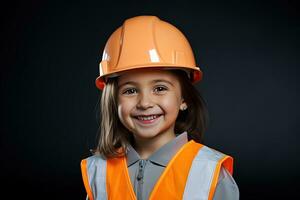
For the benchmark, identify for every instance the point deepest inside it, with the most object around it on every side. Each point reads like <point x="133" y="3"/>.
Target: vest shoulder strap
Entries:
<point x="93" y="170"/>
<point x="204" y="173"/>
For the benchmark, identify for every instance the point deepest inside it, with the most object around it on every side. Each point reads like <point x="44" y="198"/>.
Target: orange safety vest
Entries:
<point x="191" y="174"/>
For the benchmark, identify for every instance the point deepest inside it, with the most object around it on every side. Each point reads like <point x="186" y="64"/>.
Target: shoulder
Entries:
<point x="225" y="176"/>
<point x="93" y="160"/>
<point x="226" y="187"/>
<point x="214" y="157"/>
<point x="211" y="154"/>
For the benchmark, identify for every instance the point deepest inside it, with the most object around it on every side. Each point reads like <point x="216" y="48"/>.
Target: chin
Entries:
<point x="146" y="134"/>
<point x="150" y="134"/>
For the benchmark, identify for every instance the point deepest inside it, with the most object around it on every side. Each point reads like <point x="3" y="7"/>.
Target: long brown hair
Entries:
<point x="114" y="137"/>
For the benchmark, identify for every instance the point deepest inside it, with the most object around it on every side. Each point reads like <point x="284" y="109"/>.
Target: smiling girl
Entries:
<point x="153" y="119"/>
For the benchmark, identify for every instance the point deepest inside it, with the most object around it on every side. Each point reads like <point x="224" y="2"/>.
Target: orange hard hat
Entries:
<point x="146" y="42"/>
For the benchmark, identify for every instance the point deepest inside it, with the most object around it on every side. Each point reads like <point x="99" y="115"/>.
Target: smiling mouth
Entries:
<point x="147" y="119"/>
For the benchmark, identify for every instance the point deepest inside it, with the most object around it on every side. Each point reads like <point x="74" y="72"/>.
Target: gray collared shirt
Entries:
<point x="145" y="172"/>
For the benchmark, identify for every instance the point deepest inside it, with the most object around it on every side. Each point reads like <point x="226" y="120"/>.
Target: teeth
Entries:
<point x="147" y="118"/>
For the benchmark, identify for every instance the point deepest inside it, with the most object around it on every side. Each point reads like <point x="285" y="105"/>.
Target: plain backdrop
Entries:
<point x="50" y="51"/>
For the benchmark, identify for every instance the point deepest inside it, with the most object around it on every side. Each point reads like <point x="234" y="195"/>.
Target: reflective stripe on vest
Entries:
<point x="195" y="168"/>
<point x="204" y="173"/>
<point x="94" y="177"/>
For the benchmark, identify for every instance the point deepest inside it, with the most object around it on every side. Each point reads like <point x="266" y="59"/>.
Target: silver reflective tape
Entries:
<point x="96" y="170"/>
<point x="201" y="174"/>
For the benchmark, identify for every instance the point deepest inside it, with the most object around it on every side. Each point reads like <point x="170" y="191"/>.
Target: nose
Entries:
<point x="144" y="101"/>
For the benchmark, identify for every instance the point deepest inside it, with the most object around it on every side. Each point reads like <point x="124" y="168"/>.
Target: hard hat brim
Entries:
<point x="195" y="71"/>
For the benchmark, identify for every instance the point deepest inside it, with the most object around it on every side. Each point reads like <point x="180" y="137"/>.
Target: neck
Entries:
<point x="145" y="147"/>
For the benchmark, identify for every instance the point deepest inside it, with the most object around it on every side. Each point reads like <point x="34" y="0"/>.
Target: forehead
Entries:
<point x="147" y="75"/>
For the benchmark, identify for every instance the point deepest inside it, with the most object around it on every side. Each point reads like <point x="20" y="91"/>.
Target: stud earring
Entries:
<point x="183" y="107"/>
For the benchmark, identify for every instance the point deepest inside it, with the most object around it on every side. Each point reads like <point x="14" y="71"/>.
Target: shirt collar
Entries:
<point x="163" y="155"/>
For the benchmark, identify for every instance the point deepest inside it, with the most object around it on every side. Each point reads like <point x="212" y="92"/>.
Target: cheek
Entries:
<point x="124" y="108"/>
<point x="171" y="105"/>
<point x="124" y="111"/>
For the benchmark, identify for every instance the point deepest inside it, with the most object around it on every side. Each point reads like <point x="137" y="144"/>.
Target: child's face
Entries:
<point x="149" y="102"/>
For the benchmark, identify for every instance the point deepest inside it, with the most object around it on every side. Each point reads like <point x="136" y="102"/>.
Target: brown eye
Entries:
<point x="130" y="91"/>
<point x="160" y="89"/>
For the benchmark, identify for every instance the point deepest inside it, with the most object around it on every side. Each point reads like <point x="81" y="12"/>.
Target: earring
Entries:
<point x="183" y="107"/>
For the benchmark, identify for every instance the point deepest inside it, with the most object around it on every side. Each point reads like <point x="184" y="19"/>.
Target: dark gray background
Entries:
<point x="247" y="50"/>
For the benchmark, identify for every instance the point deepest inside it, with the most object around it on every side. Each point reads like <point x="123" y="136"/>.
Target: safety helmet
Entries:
<point x="146" y="42"/>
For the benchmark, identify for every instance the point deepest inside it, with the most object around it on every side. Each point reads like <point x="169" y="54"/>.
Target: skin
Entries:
<point x="148" y="105"/>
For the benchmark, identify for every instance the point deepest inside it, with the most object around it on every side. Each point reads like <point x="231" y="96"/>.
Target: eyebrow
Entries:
<point x="162" y="80"/>
<point x="154" y="81"/>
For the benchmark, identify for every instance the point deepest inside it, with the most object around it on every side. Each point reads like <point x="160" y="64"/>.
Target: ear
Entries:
<point x="183" y="106"/>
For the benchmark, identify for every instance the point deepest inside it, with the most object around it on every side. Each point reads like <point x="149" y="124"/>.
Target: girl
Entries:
<point x="152" y="121"/>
